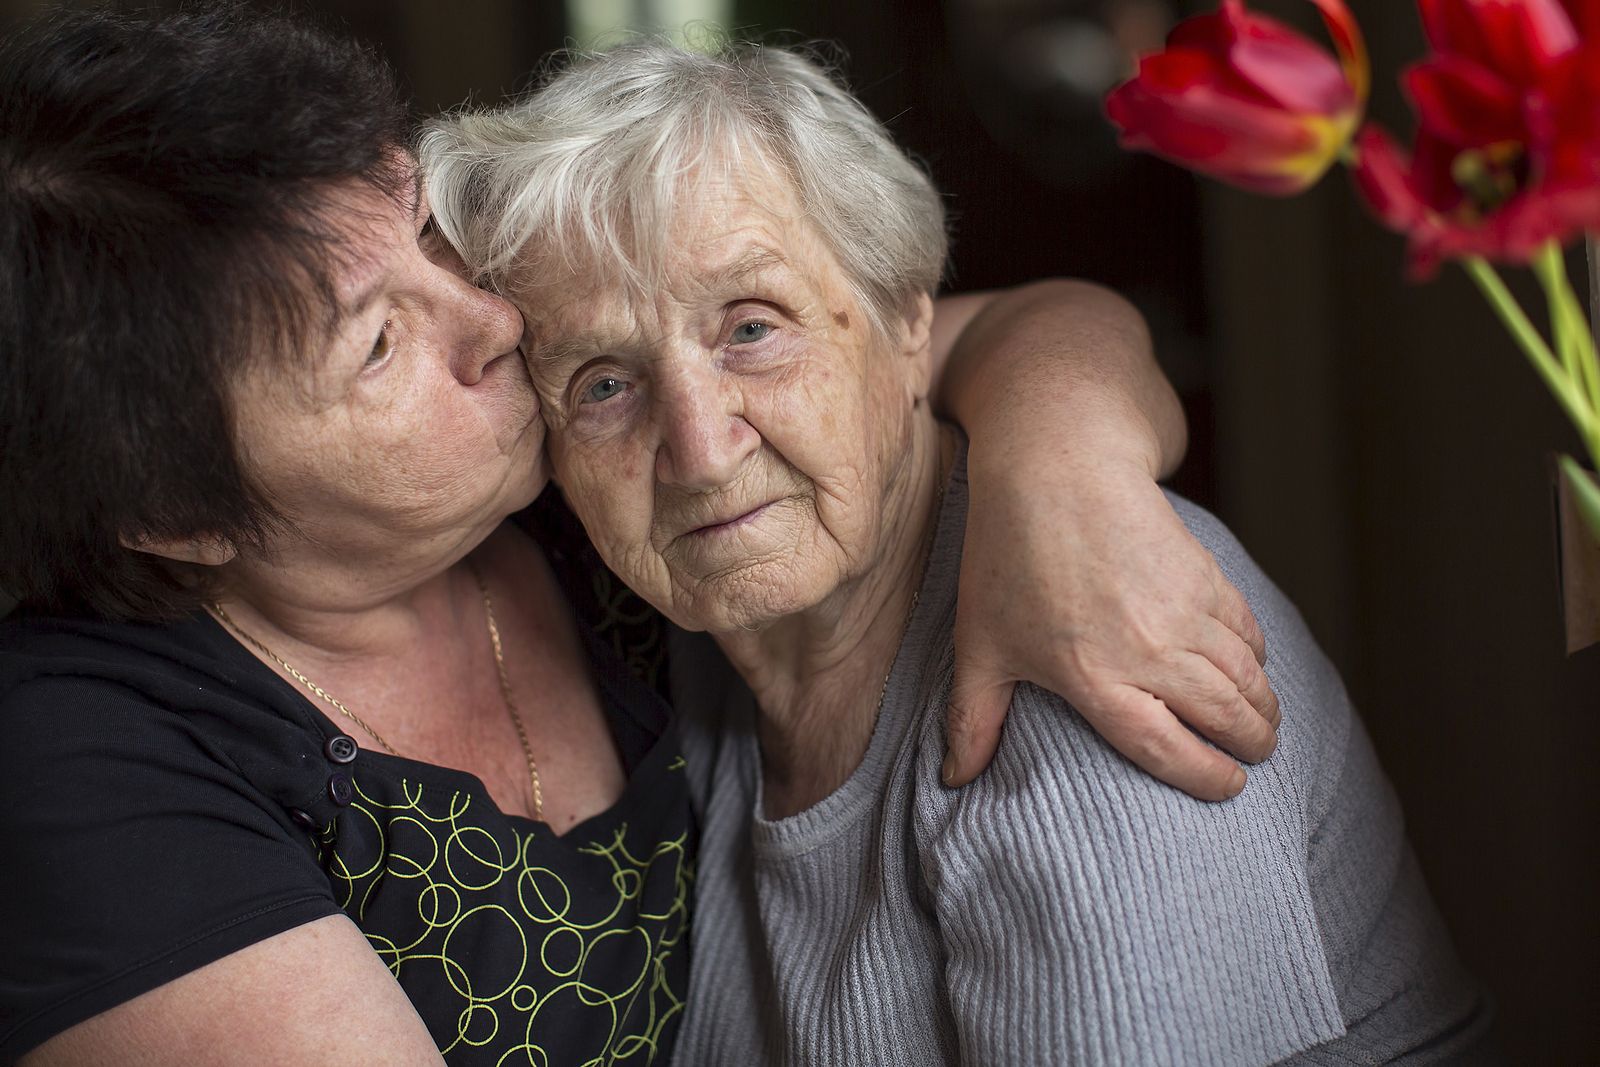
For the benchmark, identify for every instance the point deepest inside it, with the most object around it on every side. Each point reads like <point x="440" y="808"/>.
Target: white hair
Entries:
<point x="584" y="173"/>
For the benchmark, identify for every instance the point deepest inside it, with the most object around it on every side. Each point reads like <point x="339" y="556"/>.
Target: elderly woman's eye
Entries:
<point x="604" y="389"/>
<point x="747" y="332"/>
<point x="380" y="347"/>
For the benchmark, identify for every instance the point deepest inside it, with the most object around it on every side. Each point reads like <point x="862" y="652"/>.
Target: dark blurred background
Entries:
<point x="1380" y="447"/>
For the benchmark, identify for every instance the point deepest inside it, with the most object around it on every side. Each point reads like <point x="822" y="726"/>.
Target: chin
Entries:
<point x="748" y="600"/>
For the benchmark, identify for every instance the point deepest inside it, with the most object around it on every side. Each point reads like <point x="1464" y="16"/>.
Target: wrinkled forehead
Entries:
<point x="726" y="234"/>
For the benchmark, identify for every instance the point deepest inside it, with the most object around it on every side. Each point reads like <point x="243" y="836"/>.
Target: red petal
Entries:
<point x="1284" y="66"/>
<point x="1514" y="38"/>
<point x="1382" y="174"/>
<point x="1244" y="142"/>
<point x="1516" y="232"/>
<point x="1347" y="39"/>
<point x="1463" y="102"/>
<point x="1585" y="15"/>
<point x="1564" y="120"/>
<point x="1432" y="180"/>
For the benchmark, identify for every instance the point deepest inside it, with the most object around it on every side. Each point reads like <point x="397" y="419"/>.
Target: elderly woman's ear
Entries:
<point x="917" y="343"/>
<point x="206" y="551"/>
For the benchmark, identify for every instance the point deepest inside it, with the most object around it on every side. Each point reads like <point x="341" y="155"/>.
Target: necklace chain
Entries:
<point x="510" y="699"/>
<point x="500" y="668"/>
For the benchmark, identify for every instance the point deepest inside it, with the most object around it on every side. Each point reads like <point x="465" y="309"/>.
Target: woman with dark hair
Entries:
<point x="307" y="754"/>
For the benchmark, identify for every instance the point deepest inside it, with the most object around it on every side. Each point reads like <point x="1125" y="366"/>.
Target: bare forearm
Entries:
<point x="1066" y="358"/>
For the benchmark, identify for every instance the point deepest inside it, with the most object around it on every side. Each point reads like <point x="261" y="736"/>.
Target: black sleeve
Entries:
<point x="134" y="852"/>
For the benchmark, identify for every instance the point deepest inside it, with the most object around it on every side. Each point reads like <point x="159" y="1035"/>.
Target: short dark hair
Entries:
<point x="162" y="184"/>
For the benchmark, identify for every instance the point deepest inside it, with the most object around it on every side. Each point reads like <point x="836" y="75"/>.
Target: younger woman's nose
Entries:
<point x="486" y="327"/>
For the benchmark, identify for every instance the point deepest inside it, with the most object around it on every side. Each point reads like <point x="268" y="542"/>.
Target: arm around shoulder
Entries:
<point x="1071" y="422"/>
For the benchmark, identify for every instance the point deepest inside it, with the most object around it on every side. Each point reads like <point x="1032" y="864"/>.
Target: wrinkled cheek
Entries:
<point x="616" y="515"/>
<point x="805" y="396"/>
<point x="847" y="505"/>
<point x="439" y="471"/>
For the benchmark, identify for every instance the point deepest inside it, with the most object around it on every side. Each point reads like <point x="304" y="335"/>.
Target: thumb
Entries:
<point x="979" y="700"/>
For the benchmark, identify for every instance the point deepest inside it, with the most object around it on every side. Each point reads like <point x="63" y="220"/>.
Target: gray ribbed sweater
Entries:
<point x="1066" y="908"/>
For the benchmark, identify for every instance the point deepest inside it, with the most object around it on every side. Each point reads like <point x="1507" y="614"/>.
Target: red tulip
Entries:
<point x="1507" y="152"/>
<point x="1585" y="16"/>
<point x="1246" y="99"/>
<point x="1515" y="39"/>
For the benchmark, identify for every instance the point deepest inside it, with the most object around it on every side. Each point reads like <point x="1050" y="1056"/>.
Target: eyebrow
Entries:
<point x="563" y="351"/>
<point x="356" y="307"/>
<point x="757" y="260"/>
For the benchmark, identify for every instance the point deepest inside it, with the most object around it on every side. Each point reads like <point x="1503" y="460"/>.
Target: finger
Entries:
<point x="978" y="704"/>
<point x="1144" y="729"/>
<point x="1235" y="614"/>
<point x="1235" y="659"/>
<point x="1205" y="698"/>
<point x="1260" y="695"/>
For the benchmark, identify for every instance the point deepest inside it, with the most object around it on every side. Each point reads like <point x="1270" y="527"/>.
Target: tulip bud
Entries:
<point x="1246" y="99"/>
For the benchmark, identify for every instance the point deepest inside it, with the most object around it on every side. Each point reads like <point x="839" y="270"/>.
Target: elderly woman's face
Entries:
<point x="730" y="442"/>
<point x="418" y="418"/>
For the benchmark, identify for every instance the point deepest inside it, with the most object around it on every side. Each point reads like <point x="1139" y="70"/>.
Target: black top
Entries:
<point x="166" y="799"/>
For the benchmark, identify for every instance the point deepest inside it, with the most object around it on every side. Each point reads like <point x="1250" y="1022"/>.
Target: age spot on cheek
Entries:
<point x="841" y="319"/>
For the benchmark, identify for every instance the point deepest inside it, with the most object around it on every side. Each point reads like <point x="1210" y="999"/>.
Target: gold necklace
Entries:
<point x="500" y="667"/>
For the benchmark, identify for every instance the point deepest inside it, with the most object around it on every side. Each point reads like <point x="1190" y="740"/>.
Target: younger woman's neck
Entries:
<point x="353" y="606"/>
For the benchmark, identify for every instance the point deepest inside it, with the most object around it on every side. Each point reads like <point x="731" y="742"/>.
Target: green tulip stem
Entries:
<point x="1566" y="391"/>
<point x="1548" y="268"/>
<point x="1574" y="335"/>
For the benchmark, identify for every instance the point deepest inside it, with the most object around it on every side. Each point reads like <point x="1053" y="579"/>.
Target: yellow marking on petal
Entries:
<point x="1329" y="140"/>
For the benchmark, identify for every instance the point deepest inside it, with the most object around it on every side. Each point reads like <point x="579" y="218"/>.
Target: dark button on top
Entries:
<point x="340" y="789"/>
<point x="302" y="819"/>
<point x="341" y="749"/>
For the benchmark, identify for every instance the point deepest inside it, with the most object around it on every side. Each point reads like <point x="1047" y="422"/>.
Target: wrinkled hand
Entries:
<point x="1084" y="581"/>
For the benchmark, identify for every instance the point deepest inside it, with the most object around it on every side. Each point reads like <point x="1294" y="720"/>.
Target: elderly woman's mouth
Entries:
<point x="719" y="527"/>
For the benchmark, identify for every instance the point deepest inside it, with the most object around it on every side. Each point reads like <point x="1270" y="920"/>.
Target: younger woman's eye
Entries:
<point x="380" y="347"/>
<point x="604" y="389"/>
<point x="749" y="332"/>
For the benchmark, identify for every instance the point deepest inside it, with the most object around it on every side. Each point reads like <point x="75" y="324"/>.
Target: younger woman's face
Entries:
<point x="417" y="423"/>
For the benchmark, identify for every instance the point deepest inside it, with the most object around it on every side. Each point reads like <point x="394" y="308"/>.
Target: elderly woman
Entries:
<point x="305" y="756"/>
<point x="726" y="265"/>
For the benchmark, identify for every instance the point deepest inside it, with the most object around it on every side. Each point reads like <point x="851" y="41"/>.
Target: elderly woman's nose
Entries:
<point x="704" y="439"/>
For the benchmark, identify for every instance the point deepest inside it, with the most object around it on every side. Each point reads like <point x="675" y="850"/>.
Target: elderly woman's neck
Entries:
<point x="819" y="676"/>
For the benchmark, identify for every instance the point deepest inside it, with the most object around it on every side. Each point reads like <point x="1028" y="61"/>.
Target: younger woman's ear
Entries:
<point x="206" y="551"/>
